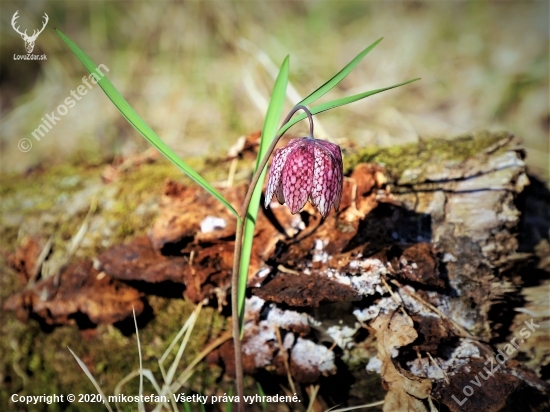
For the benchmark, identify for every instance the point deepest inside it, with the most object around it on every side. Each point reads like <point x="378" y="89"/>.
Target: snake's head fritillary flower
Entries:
<point x="307" y="168"/>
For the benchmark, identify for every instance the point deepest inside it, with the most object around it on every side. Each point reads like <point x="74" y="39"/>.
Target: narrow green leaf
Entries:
<point x="143" y="128"/>
<point x="338" y="77"/>
<point x="269" y="129"/>
<point x="229" y="405"/>
<point x="273" y="115"/>
<point x="338" y="102"/>
<point x="262" y="394"/>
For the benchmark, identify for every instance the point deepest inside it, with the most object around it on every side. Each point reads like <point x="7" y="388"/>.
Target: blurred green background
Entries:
<point x="198" y="72"/>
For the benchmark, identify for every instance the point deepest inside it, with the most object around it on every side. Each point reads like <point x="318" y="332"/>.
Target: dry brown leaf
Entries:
<point x="405" y="392"/>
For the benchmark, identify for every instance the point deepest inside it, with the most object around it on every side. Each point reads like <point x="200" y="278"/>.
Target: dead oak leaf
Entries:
<point x="405" y="391"/>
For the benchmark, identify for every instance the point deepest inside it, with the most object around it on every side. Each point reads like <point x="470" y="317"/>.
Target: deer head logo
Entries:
<point x="29" y="40"/>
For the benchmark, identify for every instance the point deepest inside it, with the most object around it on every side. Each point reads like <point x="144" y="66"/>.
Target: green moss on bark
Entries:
<point x="397" y="159"/>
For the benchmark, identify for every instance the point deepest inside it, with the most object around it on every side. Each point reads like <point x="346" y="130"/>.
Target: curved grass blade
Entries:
<point x="269" y="130"/>
<point x="339" y="102"/>
<point x="92" y="379"/>
<point x="338" y="77"/>
<point x="143" y="128"/>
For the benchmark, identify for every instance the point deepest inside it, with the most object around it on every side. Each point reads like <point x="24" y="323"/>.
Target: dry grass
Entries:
<point x="483" y="65"/>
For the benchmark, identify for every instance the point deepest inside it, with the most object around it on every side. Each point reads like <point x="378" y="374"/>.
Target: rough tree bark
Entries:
<point x="434" y="274"/>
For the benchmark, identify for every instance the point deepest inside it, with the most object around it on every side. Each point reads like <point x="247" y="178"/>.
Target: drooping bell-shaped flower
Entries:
<point x="307" y="168"/>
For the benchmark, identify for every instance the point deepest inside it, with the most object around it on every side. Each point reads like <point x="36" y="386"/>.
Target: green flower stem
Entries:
<point x="273" y="113"/>
<point x="239" y="375"/>
<point x="237" y="254"/>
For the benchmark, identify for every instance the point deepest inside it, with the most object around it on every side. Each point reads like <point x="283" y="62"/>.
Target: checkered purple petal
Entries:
<point x="276" y="170"/>
<point x="325" y="187"/>
<point x="297" y="178"/>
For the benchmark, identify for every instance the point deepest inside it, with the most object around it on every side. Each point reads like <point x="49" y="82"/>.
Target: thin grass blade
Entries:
<point x="91" y="378"/>
<point x="365" y="406"/>
<point x="339" y="102"/>
<point x="140" y="125"/>
<point x="229" y="405"/>
<point x="188" y="372"/>
<point x="183" y="345"/>
<point x="312" y="396"/>
<point x="262" y="394"/>
<point x="338" y="77"/>
<point x="147" y="374"/>
<point x="141" y="407"/>
<point x="269" y="129"/>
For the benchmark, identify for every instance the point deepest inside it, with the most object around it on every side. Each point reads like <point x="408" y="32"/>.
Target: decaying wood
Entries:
<point x="420" y="254"/>
<point x="82" y="290"/>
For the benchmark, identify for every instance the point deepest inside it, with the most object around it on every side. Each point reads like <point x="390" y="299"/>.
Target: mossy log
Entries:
<point x="436" y="260"/>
